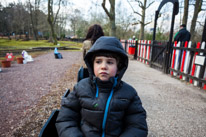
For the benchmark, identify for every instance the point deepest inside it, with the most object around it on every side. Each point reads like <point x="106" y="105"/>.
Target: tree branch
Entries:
<point x="149" y="4"/>
<point x="136" y="23"/>
<point x="140" y="3"/>
<point x="147" y="23"/>
<point x="59" y="5"/>
<point x="200" y="23"/>
<point x="105" y="9"/>
<point x="133" y="9"/>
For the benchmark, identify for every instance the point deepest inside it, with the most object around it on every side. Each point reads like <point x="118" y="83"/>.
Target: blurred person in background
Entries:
<point x="94" y="32"/>
<point x="183" y="34"/>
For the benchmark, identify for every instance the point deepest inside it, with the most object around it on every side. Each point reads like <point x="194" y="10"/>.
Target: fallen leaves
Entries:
<point x="35" y="118"/>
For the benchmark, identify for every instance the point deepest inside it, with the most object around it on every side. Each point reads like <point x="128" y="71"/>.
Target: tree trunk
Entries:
<point x="54" y="36"/>
<point x="33" y="24"/>
<point x="112" y="20"/>
<point x="51" y="20"/>
<point x="111" y="16"/>
<point x="198" y="5"/>
<point x="142" y="23"/>
<point x="36" y="17"/>
<point x="9" y="36"/>
<point x="185" y="15"/>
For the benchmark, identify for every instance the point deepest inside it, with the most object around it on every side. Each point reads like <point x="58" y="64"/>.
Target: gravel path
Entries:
<point x="174" y="108"/>
<point x="22" y="85"/>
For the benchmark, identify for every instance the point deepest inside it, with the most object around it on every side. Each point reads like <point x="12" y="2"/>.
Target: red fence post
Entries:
<point x="183" y="59"/>
<point x="173" y="57"/>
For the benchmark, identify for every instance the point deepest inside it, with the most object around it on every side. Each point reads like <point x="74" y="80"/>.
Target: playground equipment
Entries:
<point x="7" y="63"/>
<point x="57" y="54"/>
<point x="27" y="57"/>
<point x="49" y="128"/>
<point x="9" y="56"/>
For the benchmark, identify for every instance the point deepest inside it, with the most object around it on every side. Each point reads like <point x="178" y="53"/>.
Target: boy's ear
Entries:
<point x="117" y="72"/>
<point x="119" y="66"/>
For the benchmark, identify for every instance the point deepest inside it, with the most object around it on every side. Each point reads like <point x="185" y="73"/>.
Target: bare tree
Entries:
<point x="198" y="8"/>
<point x="52" y="19"/>
<point x="123" y="21"/>
<point x="43" y="25"/>
<point x="7" y="20"/>
<point x="111" y="15"/>
<point x="185" y="14"/>
<point x="34" y="17"/>
<point x="18" y="20"/>
<point x="61" y="24"/>
<point x="74" y="19"/>
<point x="143" y="7"/>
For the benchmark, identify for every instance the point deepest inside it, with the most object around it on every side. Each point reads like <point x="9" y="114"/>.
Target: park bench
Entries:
<point x="49" y="128"/>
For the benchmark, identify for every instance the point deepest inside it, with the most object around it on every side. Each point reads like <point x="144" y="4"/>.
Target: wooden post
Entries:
<point x="125" y="47"/>
<point x="135" y="52"/>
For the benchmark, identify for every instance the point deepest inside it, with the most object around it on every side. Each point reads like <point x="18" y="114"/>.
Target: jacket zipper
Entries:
<point x="107" y="107"/>
<point x="106" y="112"/>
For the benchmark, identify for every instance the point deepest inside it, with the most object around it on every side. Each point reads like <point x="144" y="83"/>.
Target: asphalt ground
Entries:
<point x="174" y="107"/>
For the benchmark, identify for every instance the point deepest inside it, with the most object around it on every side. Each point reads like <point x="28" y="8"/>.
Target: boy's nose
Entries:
<point x="104" y="65"/>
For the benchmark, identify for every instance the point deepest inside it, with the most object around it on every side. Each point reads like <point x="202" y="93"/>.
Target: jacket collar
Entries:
<point x="111" y="83"/>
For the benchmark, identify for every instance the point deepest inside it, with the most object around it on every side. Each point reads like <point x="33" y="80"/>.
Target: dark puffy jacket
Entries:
<point x="182" y="35"/>
<point x="98" y="108"/>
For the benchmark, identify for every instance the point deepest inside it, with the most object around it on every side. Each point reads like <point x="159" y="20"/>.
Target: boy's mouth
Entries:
<point x="103" y="73"/>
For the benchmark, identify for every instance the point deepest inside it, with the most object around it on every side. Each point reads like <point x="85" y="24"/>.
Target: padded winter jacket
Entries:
<point x="182" y="35"/>
<point x="98" y="108"/>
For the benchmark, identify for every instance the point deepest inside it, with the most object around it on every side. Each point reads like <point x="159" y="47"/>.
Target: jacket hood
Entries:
<point x="107" y="44"/>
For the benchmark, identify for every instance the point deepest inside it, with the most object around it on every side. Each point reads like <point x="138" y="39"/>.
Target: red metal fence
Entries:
<point x="186" y="60"/>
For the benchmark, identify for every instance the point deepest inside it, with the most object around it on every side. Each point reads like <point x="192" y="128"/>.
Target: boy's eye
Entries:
<point x="110" y="62"/>
<point x="97" y="61"/>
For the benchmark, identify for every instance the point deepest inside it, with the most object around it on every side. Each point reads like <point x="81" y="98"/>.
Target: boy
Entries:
<point x="103" y="105"/>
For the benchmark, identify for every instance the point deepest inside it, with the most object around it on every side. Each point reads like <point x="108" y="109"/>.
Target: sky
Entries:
<point x="85" y="6"/>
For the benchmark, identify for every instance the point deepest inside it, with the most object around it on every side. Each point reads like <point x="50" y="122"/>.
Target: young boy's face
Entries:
<point x="105" y="67"/>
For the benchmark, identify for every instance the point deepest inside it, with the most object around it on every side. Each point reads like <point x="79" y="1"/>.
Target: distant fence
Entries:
<point x="36" y="49"/>
<point x="185" y="61"/>
<point x="75" y="39"/>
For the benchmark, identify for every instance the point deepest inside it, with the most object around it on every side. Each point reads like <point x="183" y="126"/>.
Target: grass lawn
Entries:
<point x="13" y="44"/>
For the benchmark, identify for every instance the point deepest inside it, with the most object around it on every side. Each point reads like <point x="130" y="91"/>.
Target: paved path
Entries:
<point x="174" y="108"/>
